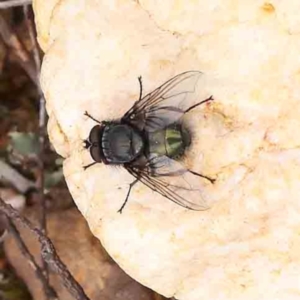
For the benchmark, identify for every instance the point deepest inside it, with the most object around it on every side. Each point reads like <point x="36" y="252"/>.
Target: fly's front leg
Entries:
<point x="86" y="167"/>
<point x="91" y="117"/>
<point x="141" y="87"/>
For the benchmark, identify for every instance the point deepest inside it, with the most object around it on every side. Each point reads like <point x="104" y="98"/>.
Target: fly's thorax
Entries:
<point x="121" y="143"/>
<point x="170" y="141"/>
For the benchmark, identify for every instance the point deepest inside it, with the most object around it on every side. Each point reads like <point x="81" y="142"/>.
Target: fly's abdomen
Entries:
<point x="174" y="142"/>
<point x="171" y="141"/>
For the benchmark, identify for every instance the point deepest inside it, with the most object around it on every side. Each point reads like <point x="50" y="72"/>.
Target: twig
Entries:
<point x="15" y="178"/>
<point x="41" y="183"/>
<point x="42" y="127"/>
<point x="48" y="252"/>
<point x="12" y="3"/>
<point x="50" y="292"/>
<point x="32" y="35"/>
<point x="12" y="41"/>
<point x="42" y="114"/>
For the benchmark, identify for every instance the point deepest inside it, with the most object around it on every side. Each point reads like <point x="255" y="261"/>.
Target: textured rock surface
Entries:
<point x="248" y="245"/>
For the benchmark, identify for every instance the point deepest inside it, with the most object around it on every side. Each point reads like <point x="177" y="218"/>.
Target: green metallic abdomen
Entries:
<point x="171" y="141"/>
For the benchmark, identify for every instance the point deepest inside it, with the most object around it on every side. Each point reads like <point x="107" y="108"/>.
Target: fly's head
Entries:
<point x="93" y="143"/>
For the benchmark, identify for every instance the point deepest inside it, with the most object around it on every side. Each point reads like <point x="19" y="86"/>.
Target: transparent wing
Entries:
<point x="170" y="179"/>
<point x="166" y="104"/>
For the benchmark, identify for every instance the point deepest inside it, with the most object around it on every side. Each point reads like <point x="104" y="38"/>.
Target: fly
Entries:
<point x="149" y="140"/>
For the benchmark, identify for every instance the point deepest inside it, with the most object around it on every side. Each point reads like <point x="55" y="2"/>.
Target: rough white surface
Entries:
<point x="248" y="245"/>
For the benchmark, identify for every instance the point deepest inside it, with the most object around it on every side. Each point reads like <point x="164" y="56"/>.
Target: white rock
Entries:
<point x="248" y="245"/>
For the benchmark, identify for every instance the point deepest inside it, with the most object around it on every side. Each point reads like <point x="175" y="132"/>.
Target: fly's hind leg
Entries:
<point x="211" y="180"/>
<point x="198" y="104"/>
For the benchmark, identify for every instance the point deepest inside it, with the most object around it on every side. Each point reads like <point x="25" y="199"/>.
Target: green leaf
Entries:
<point x="26" y="144"/>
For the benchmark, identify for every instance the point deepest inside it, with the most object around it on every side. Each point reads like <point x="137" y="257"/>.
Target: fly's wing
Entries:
<point x="170" y="179"/>
<point x="166" y="104"/>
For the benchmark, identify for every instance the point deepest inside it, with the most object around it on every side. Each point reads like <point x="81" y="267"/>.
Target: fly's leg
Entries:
<point x="203" y="176"/>
<point x="127" y="197"/>
<point x="86" y="167"/>
<point x="141" y="87"/>
<point x="189" y="109"/>
<point x="197" y="104"/>
<point x="91" y="117"/>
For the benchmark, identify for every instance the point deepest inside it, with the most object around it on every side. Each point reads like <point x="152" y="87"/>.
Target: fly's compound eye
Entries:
<point x="95" y="134"/>
<point x="95" y="153"/>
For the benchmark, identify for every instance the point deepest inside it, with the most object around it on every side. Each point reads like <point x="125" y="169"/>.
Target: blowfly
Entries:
<point x="149" y="140"/>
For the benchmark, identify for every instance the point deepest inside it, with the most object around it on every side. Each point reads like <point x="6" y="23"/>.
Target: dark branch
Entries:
<point x="13" y="43"/>
<point x="48" y="252"/>
<point x="32" y="35"/>
<point x="42" y="125"/>
<point x="50" y="292"/>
